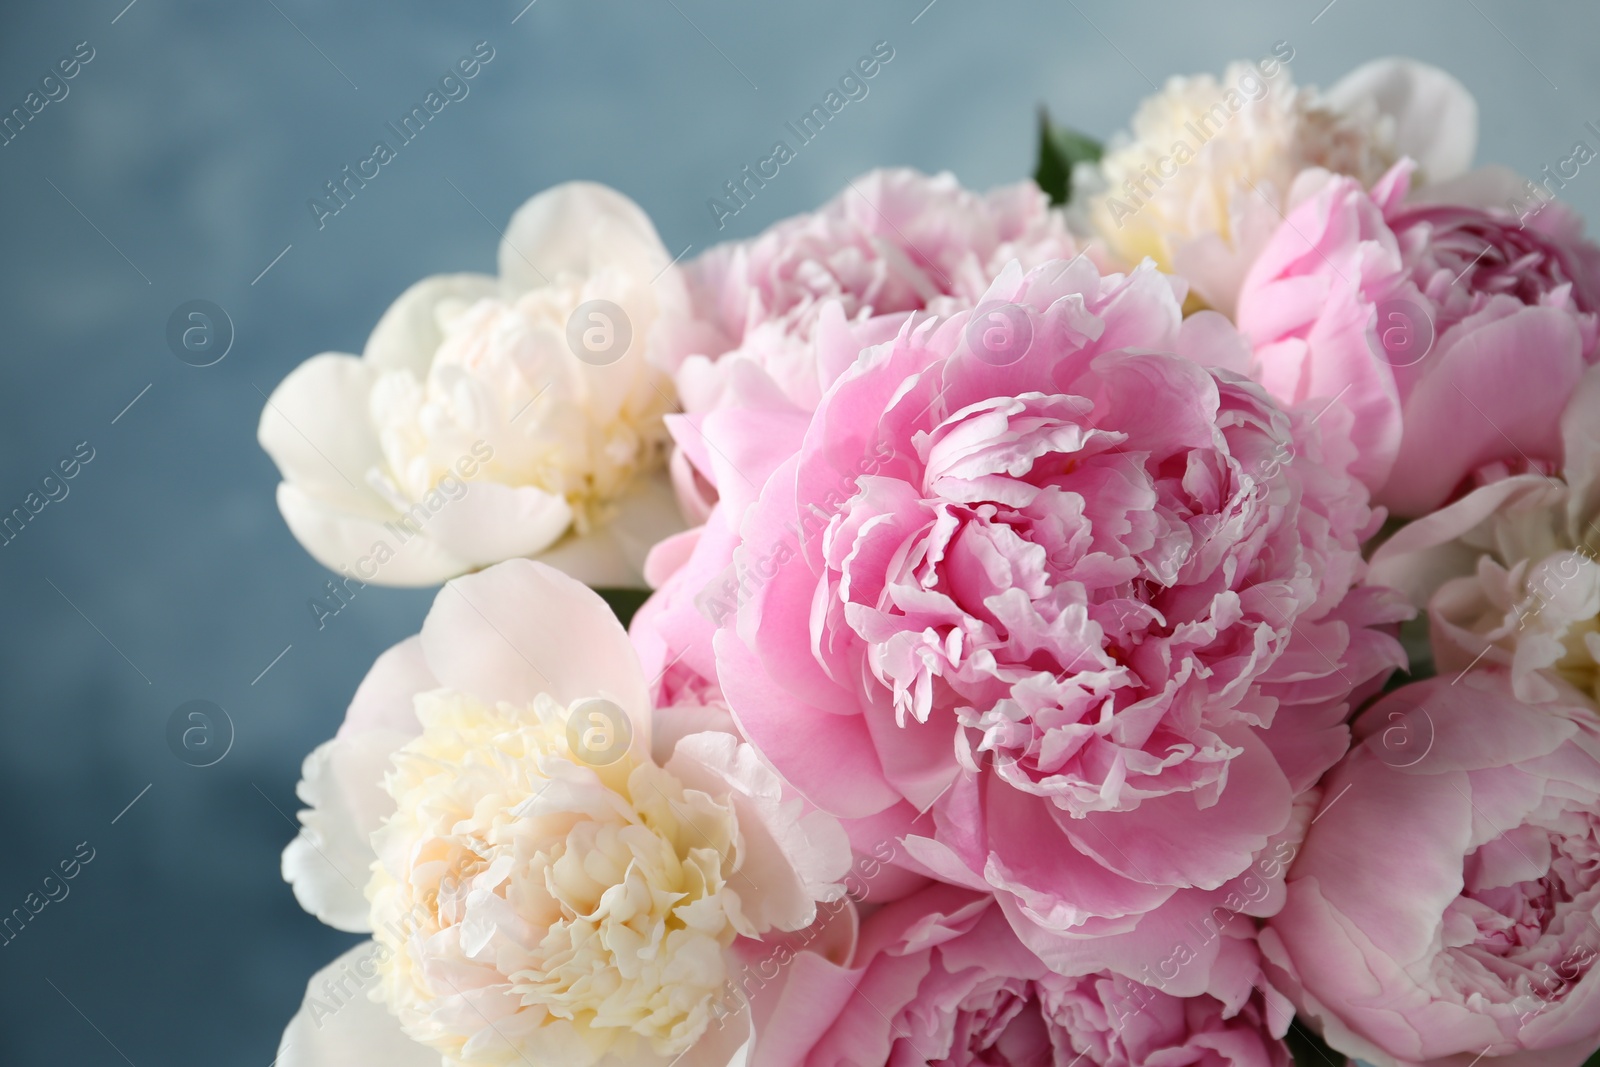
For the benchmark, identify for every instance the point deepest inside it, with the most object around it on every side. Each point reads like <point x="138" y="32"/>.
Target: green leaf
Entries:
<point x="624" y="602"/>
<point x="1419" y="650"/>
<point x="1060" y="149"/>
<point x="1593" y="1061"/>
<point x="1309" y="1050"/>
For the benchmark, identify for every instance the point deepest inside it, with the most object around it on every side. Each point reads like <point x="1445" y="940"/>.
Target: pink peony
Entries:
<point x="777" y="306"/>
<point x="1444" y="906"/>
<point x="1067" y="611"/>
<point x="727" y="454"/>
<point x="894" y="241"/>
<point x="939" y="978"/>
<point x="1450" y="332"/>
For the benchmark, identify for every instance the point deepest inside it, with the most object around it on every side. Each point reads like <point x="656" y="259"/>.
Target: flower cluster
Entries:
<point x="1022" y="680"/>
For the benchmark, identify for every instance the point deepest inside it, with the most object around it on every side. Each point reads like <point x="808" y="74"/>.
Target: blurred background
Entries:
<point x="177" y="167"/>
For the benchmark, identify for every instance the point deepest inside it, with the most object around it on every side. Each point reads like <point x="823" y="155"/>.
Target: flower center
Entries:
<point x="506" y="376"/>
<point x="1043" y="573"/>
<point x="1528" y="909"/>
<point x="573" y="904"/>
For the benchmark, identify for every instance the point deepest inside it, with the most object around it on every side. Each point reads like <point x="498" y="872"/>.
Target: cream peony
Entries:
<point x="576" y="907"/>
<point x="496" y="417"/>
<point x="539" y="893"/>
<point x="1209" y="168"/>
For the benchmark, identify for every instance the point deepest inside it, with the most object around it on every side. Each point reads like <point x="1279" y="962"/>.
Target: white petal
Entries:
<point x="409" y="333"/>
<point x="595" y="559"/>
<point x="522" y="628"/>
<point x="794" y="859"/>
<point x="1491" y="186"/>
<point x="727" y="1045"/>
<point x="648" y="515"/>
<point x="385" y="699"/>
<point x="1436" y="118"/>
<point x="613" y="556"/>
<point x="341" y="1028"/>
<point x="371" y="545"/>
<point x="330" y="860"/>
<point x="572" y="229"/>
<point x="316" y="428"/>
<point x="673" y="724"/>
<point x="491" y="522"/>
<point x="1424" y="554"/>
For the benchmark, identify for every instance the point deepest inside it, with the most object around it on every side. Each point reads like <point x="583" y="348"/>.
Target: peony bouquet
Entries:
<point x="1147" y="615"/>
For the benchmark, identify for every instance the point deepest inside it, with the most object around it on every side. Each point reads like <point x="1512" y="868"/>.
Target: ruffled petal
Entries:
<point x="329" y="861"/>
<point x="410" y="332"/>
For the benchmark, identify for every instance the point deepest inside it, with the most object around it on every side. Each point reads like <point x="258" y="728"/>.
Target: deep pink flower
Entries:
<point x="1452" y="333"/>
<point x="1081" y="600"/>
<point x="939" y="978"/>
<point x="1444" y="906"/>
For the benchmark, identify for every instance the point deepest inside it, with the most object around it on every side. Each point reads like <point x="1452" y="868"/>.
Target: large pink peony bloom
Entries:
<point x="1451" y="332"/>
<point x="939" y="978"/>
<point x="1073" y="616"/>
<point x="1444" y="906"/>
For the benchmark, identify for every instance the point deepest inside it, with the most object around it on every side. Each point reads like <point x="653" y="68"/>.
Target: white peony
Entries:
<point x="470" y="431"/>
<point x="532" y="900"/>
<point x="1510" y="573"/>
<point x="1209" y="169"/>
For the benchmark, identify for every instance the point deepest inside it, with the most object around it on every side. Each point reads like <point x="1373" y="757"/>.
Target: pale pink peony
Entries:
<point x="893" y="241"/>
<point x="1451" y="332"/>
<point x="1443" y="908"/>
<point x="939" y="978"/>
<point x="1083" y="601"/>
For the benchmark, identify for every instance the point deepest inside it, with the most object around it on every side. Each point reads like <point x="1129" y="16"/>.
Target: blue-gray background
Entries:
<point x="182" y="160"/>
